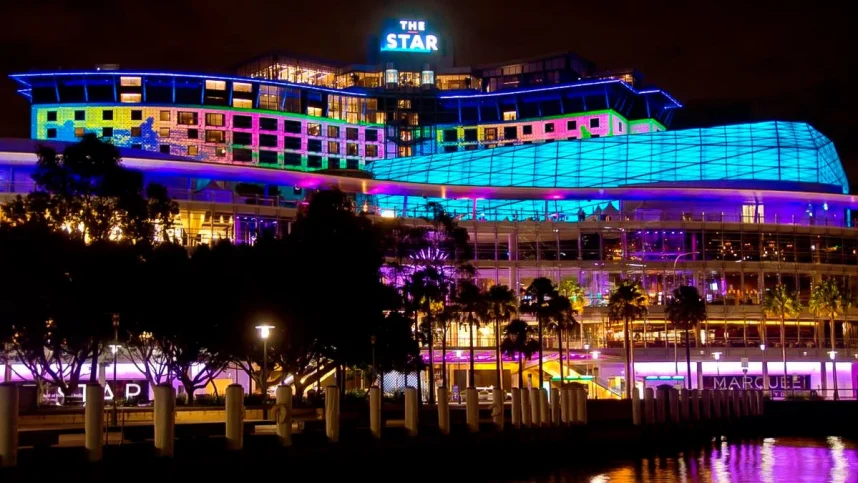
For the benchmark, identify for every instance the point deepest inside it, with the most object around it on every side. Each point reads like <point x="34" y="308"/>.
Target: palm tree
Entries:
<point x="627" y="304"/>
<point x="561" y="320"/>
<point x="827" y="301"/>
<point x="689" y="309"/>
<point x="471" y="313"/>
<point x="427" y="292"/>
<point x="518" y="342"/>
<point x="501" y="306"/>
<point x="540" y="290"/>
<point x="782" y="303"/>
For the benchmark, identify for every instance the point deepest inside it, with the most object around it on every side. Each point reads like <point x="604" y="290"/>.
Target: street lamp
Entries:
<point x="833" y="356"/>
<point x="114" y="348"/>
<point x="374" y="374"/>
<point x="264" y="332"/>
<point x="717" y="356"/>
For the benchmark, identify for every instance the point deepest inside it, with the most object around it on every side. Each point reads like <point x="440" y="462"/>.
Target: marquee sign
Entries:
<point x="796" y="382"/>
<point x="409" y="36"/>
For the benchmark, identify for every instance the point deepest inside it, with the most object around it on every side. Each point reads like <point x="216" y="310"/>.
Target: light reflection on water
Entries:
<point x="831" y="459"/>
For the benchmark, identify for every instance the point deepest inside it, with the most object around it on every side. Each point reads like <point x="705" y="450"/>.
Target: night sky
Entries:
<point x="726" y="61"/>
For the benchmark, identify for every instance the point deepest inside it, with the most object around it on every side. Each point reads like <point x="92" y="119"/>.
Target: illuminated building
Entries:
<point x="555" y="169"/>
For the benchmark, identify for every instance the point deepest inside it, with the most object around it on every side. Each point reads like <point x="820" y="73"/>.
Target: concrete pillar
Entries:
<point x="555" y="406"/>
<point x="636" y="406"/>
<point x="234" y="417"/>
<point x="516" y="408"/>
<point x="535" y="420"/>
<point x="727" y="402"/>
<point x="649" y="405"/>
<point x="411" y="407"/>
<point x="706" y="403"/>
<point x="746" y="403"/>
<point x="684" y="404"/>
<point x="283" y="413"/>
<point x="673" y="399"/>
<point x="761" y="404"/>
<point x="661" y="402"/>
<point x="566" y="405"/>
<point x="8" y="425"/>
<point x="497" y="408"/>
<point x="165" y="420"/>
<point x="695" y="404"/>
<point x="738" y="397"/>
<point x="580" y="405"/>
<point x="443" y="410"/>
<point x="544" y="408"/>
<point x="526" y="413"/>
<point x="332" y="412"/>
<point x="94" y="422"/>
<point x="472" y="409"/>
<point x="699" y="375"/>
<point x="716" y="404"/>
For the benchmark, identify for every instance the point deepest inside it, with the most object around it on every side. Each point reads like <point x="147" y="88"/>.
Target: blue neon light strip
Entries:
<point x="664" y="378"/>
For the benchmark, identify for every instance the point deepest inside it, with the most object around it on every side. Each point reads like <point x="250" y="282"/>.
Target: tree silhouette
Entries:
<point x="781" y="303"/>
<point x="626" y="304"/>
<point x="501" y="307"/>
<point x="518" y="343"/>
<point x="687" y="310"/>
<point x="827" y="301"/>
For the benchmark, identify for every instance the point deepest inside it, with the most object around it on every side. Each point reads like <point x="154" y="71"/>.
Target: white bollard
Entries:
<point x="525" y="408"/>
<point x="706" y="403"/>
<point x="165" y="420"/>
<point x="332" y="412"/>
<point x="8" y="425"/>
<point x="411" y="408"/>
<point x="580" y="405"/>
<point x="472" y="410"/>
<point x="684" y="404"/>
<point x="695" y="404"/>
<point x="283" y="414"/>
<point x="566" y="405"/>
<point x="544" y="408"/>
<point x="443" y="410"/>
<point x="94" y="422"/>
<point x="649" y="405"/>
<point x="717" y="405"/>
<point x="661" y="402"/>
<point x="673" y="399"/>
<point x="636" y="407"/>
<point x="234" y="417"/>
<point x="535" y="420"/>
<point x="497" y="408"/>
<point x="555" y="406"/>
<point x="516" y="408"/>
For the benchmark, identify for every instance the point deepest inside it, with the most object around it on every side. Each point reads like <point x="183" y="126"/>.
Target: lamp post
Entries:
<point x="675" y="339"/>
<point x="374" y="374"/>
<point x="114" y="348"/>
<point x="264" y="332"/>
<point x="833" y="356"/>
<point x="764" y="367"/>
<point x="717" y="356"/>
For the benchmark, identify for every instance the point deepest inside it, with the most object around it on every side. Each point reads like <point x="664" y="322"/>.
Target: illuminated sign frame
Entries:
<point x="409" y="36"/>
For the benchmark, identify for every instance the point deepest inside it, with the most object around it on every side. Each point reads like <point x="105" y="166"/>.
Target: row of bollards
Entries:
<point x="675" y="406"/>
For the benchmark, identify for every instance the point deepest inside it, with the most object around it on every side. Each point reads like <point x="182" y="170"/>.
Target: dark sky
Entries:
<point x="727" y="61"/>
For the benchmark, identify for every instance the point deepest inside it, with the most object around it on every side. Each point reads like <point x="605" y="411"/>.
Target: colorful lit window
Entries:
<point x="79" y="132"/>
<point x="314" y="129"/>
<point x="352" y="133"/>
<point x="130" y="97"/>
<point x="371" y="150"/>
<point x="333" y="147"/>
<point x="215" y="85"/>
<point x="164" y="116"/>
<point x="164" y="132"/>
<point x="193" y="150"/>
<point x="314" y="111"/>
<point x="136" y="132"/>
<point x="242" y="87"/>
<point x="186" y="118"/>
<point x="333" y="131"/>
<point x="351" y="149"/>
<point x="403" y="103"/>
<point x="510" y="116"/>
<point x="214" y="119"/>
<point x="491" y="134"/>
<point x="215" y="136"/>
<point x="130" y="81"/>
<point x="242" y="103"/>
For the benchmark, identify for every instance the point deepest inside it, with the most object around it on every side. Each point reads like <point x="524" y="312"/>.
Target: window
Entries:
<point x="215" y="136"/>
<point x="267" y="157"/>
<point x="220" y="152"/>
<point x="334" y="163"/>
<point x="193" y="150"/>
<point x="371" y="150"/>
<point x="107" y="115"/>
<point x="471" y="147"/>
<point x="451" y="149"/>
<point x="242" y="154"/>
<point x="314" y="129"/>
<point x="451" y="135"/>
<point x="136" y="115"/>
<point x="187" y="118"/>
<point x="291" y="143"/>
<point x="491" y="134"/>
<point x="165" y="149"/>
<point x="136" y="132"/>
<point x="333" y="131"/>
<point x="130" y="97"/>
<point x="242" y="122"/>
<point x="352" y="164"/>
<point x="80" y="115"/>
<point x="244" y="138"/>
<point x="594" y="122"/>
<point x="164" y="132"/>
<point x="509" y="116"/>
<point x="193" y="133"/>
<point x="527" y="129"/>
<point x="352" y="133"/>
<point x="314" y="111"/>
<point x="78" y="132"/>
<point x="333" y="147"/>
<point x="130" y="81"/>
<point x="371" y="134"/>
<point x="314" y="161"/>
<point x="594" y="136"/>
<point x="52" y="133"/>
<point x="268" y="140"/>
<point x="242" y="103"/>
<point x="314" y="145"/>
<point x="242" y="87"/>
<point x="107" y="132"/>
<point x="292" y="127"/>
<point x="510" y="132"/>
<point x="267" y="124"/>
<point x="470" y="135"/>
<point x="216" y="85"/>
<point x="165" y="116"/>
<point x="136" y="146"/>
<point x="352" y="149"/>
<point x="549" y="127"/>
<point x="52" y="116"/>
<point x="291" y="159"/>
<point x="620" y="127"/>
<point x="214" y="119"/>
<point x="571" y="125"/>
<point x="403" y="103"/>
